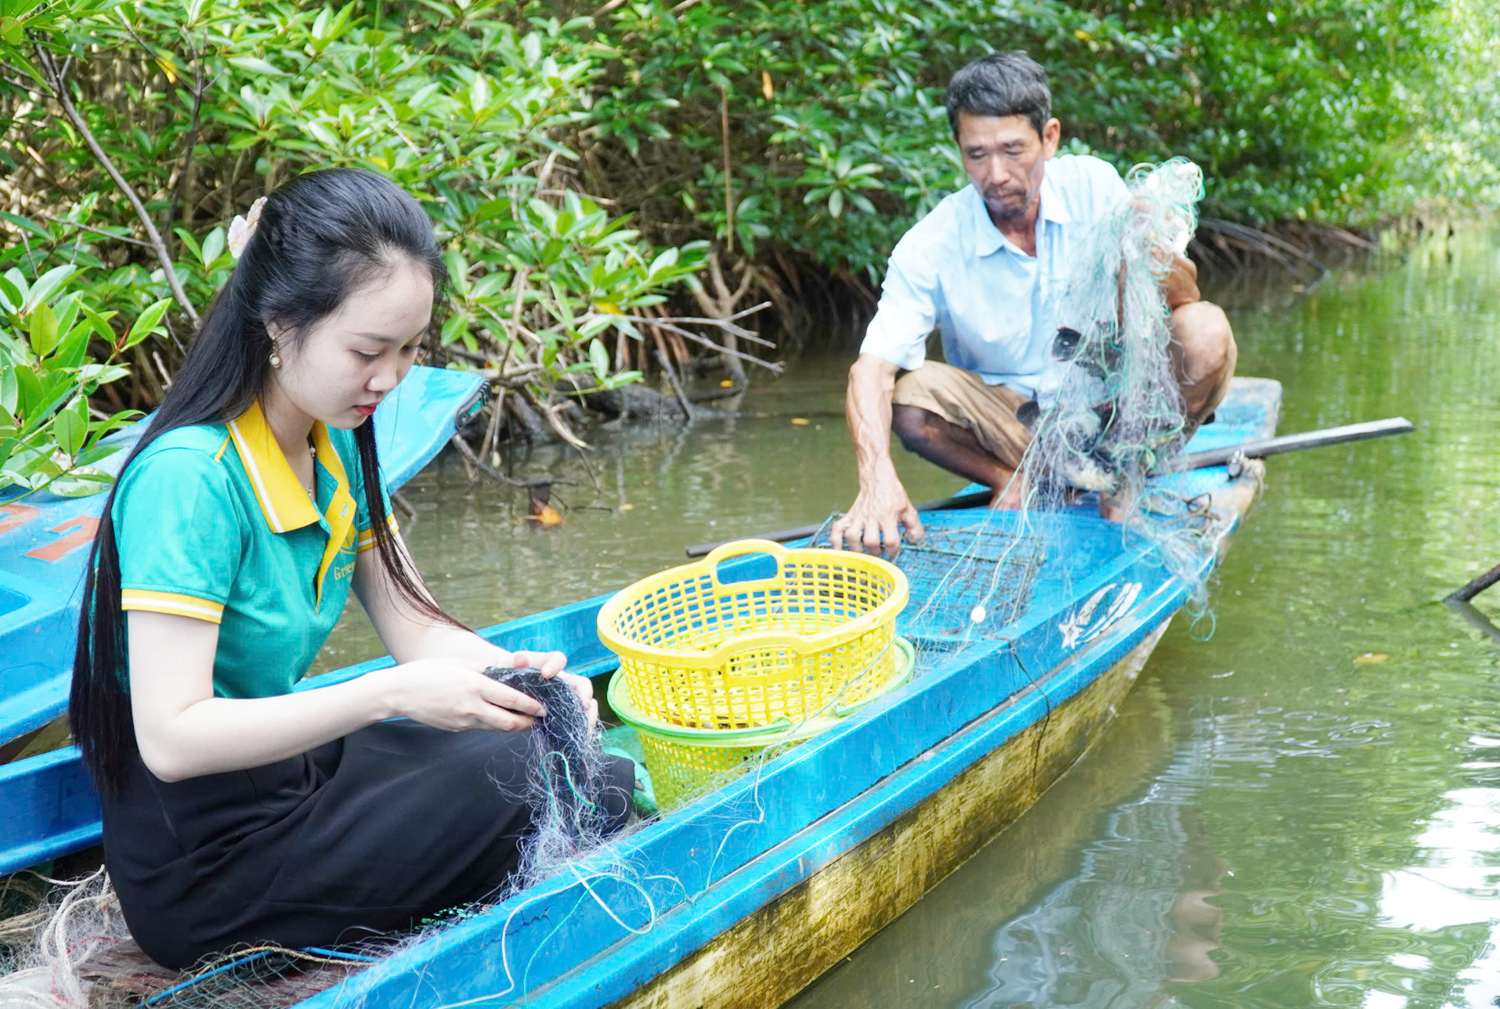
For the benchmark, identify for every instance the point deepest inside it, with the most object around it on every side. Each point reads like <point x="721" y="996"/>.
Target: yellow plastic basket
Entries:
<point x="683" y="761"/>
<point x="704" y="653"/>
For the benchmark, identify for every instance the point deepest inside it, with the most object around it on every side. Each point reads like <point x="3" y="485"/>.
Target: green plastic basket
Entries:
<point x="682" y="760"/>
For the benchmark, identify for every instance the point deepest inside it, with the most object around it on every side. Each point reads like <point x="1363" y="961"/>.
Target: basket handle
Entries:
<point x="739" y="548"/>
<point x="780" y="725"/>
<point x="906" y="658"/>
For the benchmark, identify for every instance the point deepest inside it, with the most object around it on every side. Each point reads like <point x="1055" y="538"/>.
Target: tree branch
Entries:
<point x="60" y="93"/>
<point x="192" y="138"/>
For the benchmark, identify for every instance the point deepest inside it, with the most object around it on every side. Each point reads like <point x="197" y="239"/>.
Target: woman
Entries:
<point x="235" y="810"/>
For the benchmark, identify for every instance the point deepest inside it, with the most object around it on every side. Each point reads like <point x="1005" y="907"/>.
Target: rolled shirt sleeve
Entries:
<point x="179" y="534"/>
<point x="910" y="303"/>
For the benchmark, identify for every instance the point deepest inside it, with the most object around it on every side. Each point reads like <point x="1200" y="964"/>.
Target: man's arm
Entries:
<point x="871" y="521"/>
<point x="1180" y="285"/>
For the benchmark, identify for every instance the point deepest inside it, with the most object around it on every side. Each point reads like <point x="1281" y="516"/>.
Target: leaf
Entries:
<point x="488" y="285"/>
<point x="9" y="295"/>
<point x="599" y="358"/>
<point x="102" y="374"/>
<point x="72" y="349"/>
<point x="10" y="390"/>
<point x="28" y="395"/>
<point x="665" y="261"/>
<point x="147" y="323"/>
<point x="45" y="285"/>
<point x="43" y="331"/>
<point x="70" y="430"/>
<point x="213" y="247"/>
<point x="26" y="224"/>
<point x="256" y="65"/>
<point x="479" y="93"/>
<point x="100" y="323"/>
<point x="455" y="328"/>
<point x="322" y="134"/>
<point x="80" y="482"/>
<point x="96" y="452"/>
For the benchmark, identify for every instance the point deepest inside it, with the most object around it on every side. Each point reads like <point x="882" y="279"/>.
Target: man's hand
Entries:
<point x="871" y="523"/>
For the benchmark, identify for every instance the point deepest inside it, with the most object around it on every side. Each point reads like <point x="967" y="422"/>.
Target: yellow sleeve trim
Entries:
<point x="173" y="603"/>
<point x="367" y="538"/>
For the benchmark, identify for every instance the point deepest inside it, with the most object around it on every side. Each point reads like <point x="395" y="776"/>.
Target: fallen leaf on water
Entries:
<point x="1371" y="657"/>
<point x="801" y="421"/>
<point x="727" y="383"/>
<point x="548" y="516"/>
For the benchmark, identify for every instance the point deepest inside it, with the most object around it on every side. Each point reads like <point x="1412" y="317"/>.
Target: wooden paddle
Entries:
<point x="1193" y="460"/>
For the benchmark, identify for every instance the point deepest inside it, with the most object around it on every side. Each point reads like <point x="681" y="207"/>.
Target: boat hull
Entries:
<point x="768" y="958"/>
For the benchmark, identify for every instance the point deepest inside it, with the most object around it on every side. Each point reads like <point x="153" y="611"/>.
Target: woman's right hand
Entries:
<point x="455" y="695"/>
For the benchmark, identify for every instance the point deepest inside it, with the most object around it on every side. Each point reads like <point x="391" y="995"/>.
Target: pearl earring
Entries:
<point x="275" y="359"/>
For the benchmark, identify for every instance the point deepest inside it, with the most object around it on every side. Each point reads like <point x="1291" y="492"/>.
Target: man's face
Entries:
<point x="1004" y="157"/>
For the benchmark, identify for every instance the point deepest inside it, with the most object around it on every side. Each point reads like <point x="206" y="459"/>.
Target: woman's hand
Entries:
<point x="454" y="694"/>
<point x="552" y="664"/>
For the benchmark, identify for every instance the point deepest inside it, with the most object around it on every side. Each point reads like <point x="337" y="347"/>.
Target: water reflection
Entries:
<point x="1136" y="921"/>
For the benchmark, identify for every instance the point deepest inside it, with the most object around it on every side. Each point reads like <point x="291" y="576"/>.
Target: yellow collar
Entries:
<point x="283" y="500"/>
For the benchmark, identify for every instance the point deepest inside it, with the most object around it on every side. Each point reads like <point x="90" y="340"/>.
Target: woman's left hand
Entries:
<point x="554" y="664"/>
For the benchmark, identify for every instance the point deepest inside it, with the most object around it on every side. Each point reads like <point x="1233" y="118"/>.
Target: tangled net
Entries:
<point x="566" y="776"/>
<point x="1117" y="418"/>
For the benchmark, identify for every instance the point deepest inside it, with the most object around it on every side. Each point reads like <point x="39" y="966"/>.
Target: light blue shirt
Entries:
<point x="998" y="308"/>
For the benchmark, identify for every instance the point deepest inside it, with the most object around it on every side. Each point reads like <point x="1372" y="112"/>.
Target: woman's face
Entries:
<point x="352" y="359"/>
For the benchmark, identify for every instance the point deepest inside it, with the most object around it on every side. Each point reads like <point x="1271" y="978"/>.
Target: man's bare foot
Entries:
<point x="1011" y="497"/>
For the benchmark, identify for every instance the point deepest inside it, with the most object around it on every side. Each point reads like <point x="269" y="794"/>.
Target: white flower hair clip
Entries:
<point x="241" y="228"/>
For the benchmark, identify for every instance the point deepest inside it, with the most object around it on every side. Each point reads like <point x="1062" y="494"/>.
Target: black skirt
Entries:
<point x="366" y="834"/>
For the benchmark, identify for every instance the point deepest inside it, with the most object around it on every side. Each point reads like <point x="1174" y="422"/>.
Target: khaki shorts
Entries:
<point x="962" y="398"/>
<point x="988" y="412"/>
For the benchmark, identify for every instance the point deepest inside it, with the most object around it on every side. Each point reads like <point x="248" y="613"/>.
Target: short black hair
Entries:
<point x="1000" y="84"/>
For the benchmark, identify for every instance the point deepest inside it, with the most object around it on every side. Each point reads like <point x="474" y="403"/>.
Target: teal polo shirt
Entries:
<point x="211" y="523"/>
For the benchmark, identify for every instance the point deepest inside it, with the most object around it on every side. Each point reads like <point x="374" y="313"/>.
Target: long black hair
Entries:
<point x="321" y="237"/>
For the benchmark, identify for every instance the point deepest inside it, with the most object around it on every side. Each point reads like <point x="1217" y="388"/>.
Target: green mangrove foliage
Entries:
<point x="50" y="437"/>
<point x="136" y="132"/>
<point x="815" y="131"/>
<point x="589" y="167"/>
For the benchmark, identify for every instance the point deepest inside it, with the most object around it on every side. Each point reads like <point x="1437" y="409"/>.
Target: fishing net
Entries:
<point x="1116" y="418"/>
<point x="968" y="579"/>
<point x="566" y="780"/>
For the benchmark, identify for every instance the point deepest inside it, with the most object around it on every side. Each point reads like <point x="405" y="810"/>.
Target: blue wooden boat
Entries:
<point x="745" y="896"/>
<point x="43" y="541"/>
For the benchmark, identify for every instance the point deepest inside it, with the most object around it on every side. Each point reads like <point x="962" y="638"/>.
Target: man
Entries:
<point x="986" y="265"/>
